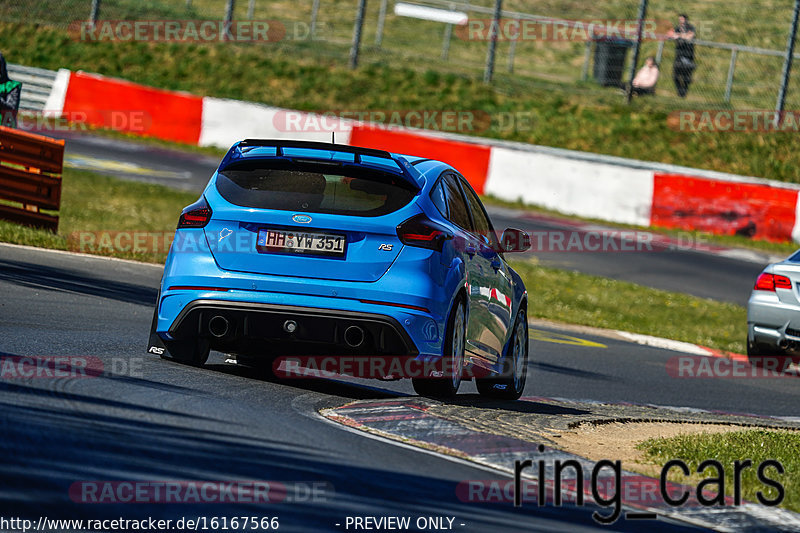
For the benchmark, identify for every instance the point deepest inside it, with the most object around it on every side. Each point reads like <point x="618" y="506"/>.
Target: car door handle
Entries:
<point x="496" y="264"/>
<point x="471" y="250"/>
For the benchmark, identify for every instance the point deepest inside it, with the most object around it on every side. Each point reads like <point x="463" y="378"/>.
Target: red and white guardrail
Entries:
<point x="559" y="180"/>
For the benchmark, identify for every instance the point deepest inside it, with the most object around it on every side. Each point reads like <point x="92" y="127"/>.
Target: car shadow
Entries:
<point x="328" y="386"/>
<point x="40" y="277"/>
<point x="361" y="391"/>
<point x="575" y="372"/>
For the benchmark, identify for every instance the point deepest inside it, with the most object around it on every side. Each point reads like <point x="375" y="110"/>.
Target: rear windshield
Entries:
<point x="314" y="188"/>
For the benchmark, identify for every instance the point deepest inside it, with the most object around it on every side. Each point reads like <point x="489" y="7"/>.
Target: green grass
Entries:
<point x="756" y="445"/>
<point x="577" y="298"/>
<point x="715" y="19"/>
<point x="92" y="203"/>
<point x="760" y="23"/>
<point x="305" y="76"/>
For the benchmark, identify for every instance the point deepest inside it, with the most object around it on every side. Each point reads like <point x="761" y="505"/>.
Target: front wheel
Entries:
<point x="515" y="366"/>
<point x="453" y="358"/>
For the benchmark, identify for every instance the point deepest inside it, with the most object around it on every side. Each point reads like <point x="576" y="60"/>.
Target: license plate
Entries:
<point x="297" y="242"/>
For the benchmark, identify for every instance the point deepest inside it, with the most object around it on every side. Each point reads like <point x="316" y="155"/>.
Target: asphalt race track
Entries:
<point x="137" y="417"/>
<point x="683" y="269"/>
<point x="137" y="161"/>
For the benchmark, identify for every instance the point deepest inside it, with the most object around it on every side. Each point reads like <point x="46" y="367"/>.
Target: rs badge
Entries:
<point x="385" y="247"/>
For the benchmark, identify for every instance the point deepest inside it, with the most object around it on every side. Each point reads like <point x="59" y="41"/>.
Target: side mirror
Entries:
<point x="515" y="240"/>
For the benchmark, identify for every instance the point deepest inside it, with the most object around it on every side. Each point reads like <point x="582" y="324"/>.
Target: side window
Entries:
<point x="439" y="199"/>
<point x="456" y="206"/>
<point x="482" y="225"/>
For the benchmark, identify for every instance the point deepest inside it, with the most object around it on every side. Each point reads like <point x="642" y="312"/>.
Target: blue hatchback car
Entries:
<point x="312" y="248"/>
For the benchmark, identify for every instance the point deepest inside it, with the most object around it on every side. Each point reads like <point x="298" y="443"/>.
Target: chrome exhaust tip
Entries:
<point x="354" y="336"/>
<point x="218" y="326"/>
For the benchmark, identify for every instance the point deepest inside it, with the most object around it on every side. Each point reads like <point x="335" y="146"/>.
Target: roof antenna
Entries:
<point x="333" y="137"/>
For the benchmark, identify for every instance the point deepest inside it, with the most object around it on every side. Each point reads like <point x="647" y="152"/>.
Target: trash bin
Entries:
<point x="609" y="60"/>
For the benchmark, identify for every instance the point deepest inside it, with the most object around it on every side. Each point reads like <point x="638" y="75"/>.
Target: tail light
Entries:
<point x="196" y="215"/>
<point x="422" y="232"/>
<point x="769" y="282"/>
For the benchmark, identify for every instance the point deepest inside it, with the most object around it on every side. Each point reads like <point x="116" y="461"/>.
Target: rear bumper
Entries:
<point x="248" y="327"/>
<point x="771" y="323"/>
<point x="407" y="307"/>
<point x="256" y="324"/>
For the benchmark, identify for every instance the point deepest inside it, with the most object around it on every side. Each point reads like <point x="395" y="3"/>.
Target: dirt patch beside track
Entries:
<point x="619" y="440"/>
<point x="594" y="430"/>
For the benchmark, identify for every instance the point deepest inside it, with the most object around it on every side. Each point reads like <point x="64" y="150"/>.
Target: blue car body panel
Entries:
<point x="414" y="288"/>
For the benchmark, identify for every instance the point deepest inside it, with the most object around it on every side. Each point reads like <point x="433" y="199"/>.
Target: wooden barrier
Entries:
<point x="30" y="175"/>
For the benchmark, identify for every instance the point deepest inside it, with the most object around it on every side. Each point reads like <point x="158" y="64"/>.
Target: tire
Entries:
<point x="193" y="352"/>
<point x="447" y="387"/>
<point x="515" y="366"/>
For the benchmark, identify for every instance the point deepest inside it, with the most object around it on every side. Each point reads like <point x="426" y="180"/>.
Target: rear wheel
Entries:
<point x="515" y="366"/>
<point x="453" y="358"/>
<point x="192" y="352"/>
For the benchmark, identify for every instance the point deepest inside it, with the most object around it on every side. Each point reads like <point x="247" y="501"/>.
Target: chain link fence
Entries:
<point x="739" y="50"/>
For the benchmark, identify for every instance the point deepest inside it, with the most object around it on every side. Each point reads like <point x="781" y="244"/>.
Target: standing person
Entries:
<point x="9" y="96"/>
<point x="683" y="34"/>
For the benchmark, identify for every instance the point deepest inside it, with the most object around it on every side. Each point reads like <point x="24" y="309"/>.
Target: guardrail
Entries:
<point x="36" y="86"/>
<point x="30" y="174"/>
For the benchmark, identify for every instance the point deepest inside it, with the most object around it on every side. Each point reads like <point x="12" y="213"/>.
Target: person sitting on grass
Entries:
<point x="645" y="80"/>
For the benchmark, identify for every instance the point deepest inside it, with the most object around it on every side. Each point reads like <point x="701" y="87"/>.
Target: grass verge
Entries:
<point x="91" y="203"/>
<point x="757" y="445"/>
<point x="587" y="300"/>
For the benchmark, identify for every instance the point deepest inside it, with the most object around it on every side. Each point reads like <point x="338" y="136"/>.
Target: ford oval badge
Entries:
<point x="301" y="219"/>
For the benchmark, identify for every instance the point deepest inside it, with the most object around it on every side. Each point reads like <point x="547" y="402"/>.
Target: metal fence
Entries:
<point x="740" y="48"/>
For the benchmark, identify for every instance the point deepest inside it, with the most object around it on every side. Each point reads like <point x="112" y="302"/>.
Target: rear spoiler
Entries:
<point x="237" y="151"/>
<point x="315" y="145"/>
